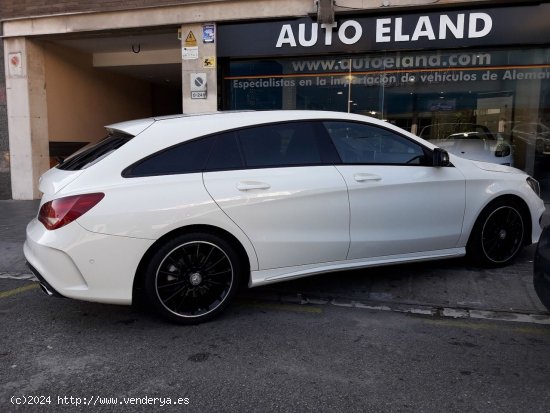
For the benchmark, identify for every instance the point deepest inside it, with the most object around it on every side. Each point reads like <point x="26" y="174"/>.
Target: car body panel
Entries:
<point x="172" y="202"/>
<point x="496" y="181"/>
<point x="131" y="127"/>
<point x="403" y="209"/>
<point x="53" y="180"/>
<point x="264" y="277"/>
<point x="299" y="215"/>
<point x="83" y="265"/>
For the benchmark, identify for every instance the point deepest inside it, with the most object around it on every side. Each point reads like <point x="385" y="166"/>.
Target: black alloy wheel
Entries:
<point x="498" y="234"/>
<point x="192" y="278"/>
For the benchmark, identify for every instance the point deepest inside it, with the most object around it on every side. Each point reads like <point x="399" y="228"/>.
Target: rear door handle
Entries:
<point x="249" y="185"/>
<point x="366" y="177"/>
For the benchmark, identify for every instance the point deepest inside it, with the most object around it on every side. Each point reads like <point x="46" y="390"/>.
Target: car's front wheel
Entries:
<point x="498" y="234"/>
<point x="192" y="277"/>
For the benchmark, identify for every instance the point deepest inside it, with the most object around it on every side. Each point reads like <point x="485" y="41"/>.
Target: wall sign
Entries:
<point x="198" y="85"/>
<point x="190" y="50"/>
<point x="208" y="33"/>
<point x="438" y="30"/>
<point x="15" y="64"/>
<point x="209" y="62"/>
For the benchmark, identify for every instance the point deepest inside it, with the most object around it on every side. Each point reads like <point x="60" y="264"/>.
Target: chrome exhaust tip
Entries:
<point x="47" y="288"/>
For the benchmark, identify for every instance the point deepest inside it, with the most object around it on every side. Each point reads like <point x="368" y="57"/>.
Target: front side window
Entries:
<point x="358" y="143"/>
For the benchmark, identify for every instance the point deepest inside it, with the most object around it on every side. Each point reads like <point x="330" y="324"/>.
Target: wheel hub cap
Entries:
<point x="195" y="278"/>
<point x="502" y="234"/>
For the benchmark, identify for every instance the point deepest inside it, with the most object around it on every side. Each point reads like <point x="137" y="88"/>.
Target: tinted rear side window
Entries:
<point x="225" y="153"/>
<point x="184" y="158"/>
<point x="92" y="155"/>
<point x="286" y="144"/>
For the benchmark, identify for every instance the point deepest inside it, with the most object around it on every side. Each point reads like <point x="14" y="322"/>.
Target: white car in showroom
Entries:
<point x="470" y="141"/>
<point x="186" y="208"/>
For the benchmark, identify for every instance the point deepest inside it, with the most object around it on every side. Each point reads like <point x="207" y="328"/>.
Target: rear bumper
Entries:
<point x="75" y="263"/>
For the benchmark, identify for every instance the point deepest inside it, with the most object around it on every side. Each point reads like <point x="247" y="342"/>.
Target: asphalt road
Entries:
<point x="409" y="338"/>
<point x="263" y="356"/>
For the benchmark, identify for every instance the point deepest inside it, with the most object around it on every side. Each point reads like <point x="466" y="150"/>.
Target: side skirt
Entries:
<point x="264" y="277"/>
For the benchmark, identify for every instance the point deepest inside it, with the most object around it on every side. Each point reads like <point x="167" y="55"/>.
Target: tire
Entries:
<point x="192" y="278"/>
<point x="498" y="234"/>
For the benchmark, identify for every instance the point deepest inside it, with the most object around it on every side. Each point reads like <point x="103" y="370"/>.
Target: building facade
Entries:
<point x="473" y="76"/>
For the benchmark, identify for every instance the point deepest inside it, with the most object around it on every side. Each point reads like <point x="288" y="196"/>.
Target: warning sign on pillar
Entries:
<point x="190" y="50"/>
<point x="209" y="62"/>
<point x="190" y="40"/>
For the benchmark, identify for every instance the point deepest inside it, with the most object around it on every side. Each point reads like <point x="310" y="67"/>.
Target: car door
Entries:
<point x="277" y="182"/>
<point x="399" y="203"/>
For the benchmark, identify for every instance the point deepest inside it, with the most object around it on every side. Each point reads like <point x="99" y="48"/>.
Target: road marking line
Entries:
<point x="485" y="326"/>
<point x="17" y="276"/>
<point x="425" y="310"/>
<point x="9" y="293"/>
<point x="460" y="313"/>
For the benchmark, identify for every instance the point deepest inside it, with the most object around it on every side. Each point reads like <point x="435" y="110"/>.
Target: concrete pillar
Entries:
<point x="289" y="92"/>
<point x="5" y="179"/>
<point x="198" y="57"/>
<point x="527" y="108"/>
<point x="27" y="115"/>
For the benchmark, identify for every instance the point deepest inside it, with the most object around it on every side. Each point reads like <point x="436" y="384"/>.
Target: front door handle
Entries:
<point x="249" y="185"/>
<point x="366" y="177"/>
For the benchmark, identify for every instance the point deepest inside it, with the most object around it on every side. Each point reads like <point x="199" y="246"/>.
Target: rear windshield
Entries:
<point x="90" y="155"/>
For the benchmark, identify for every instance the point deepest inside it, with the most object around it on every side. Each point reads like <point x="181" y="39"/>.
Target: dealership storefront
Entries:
<point x="480" y="74"/>
<point x="475" y="80"/>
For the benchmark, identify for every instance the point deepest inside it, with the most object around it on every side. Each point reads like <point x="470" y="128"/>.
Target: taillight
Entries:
<point x="60" y="212"/>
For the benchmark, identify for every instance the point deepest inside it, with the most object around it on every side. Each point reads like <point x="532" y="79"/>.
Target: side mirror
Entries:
<point x="441" y="157"/>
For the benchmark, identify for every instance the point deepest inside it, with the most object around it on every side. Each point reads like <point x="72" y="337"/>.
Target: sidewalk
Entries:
<point x="14" y="217"/>
<point x="437" y="284"/>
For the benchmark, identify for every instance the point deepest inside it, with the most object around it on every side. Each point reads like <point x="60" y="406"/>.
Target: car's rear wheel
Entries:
<point x="192" y="278"/>
<point x="498" y="234"/>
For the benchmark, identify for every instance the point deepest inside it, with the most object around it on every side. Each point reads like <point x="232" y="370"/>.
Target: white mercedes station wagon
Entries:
<point x="187" y="208"/>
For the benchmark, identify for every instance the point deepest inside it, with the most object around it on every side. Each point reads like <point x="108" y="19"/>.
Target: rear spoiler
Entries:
<point x="132" y="127"/>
